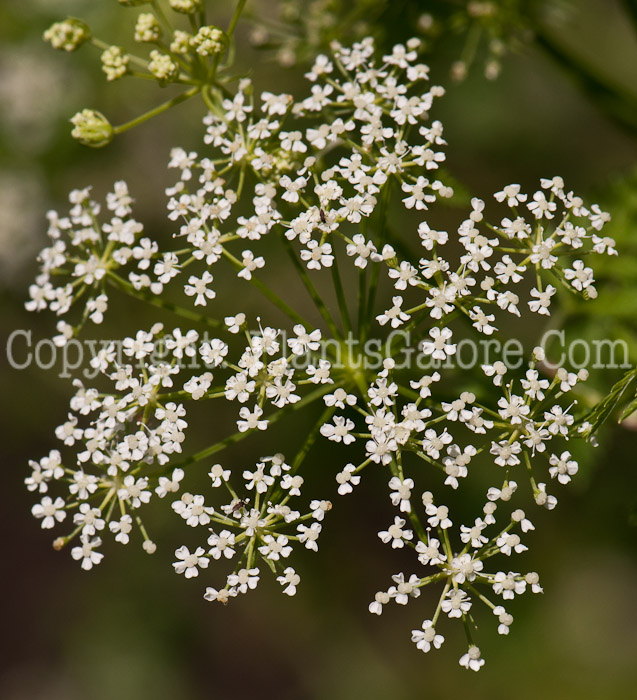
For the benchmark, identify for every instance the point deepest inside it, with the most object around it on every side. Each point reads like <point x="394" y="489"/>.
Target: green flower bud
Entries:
<point x="133" y="3"/>
<point x="68" y="35"/>
<point x="163" y="67"/>
<point x="114" y="62"/>
<point x="147" y="29"/>
<point x="187" y="7"/>
<point x="92" y="128"/>
<point x="181" y="42"/>
<point x="209" y="41"/>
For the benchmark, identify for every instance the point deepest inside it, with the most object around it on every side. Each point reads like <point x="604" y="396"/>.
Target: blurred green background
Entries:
<point x="132" y="629"/>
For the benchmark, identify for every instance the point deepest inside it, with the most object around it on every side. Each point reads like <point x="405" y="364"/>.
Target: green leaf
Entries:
<point x="605" y="408"/>
<point x="629" y="410"/>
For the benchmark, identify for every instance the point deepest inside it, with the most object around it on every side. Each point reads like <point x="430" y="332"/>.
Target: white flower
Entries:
<point x="49" y="511"/>
<point x="426" y="638"/>
<point x="251" y="420"/>
<point x="189" y="564"/>
<point x="258" y="479"/>
<point x="221" y="596"/>
<point x="317" y="256"/>
<point x="304" y="341"/>
<point x="289" y="580"/>
<point x="381" y="598"/>
<point x="339" y="430"/>
<point x="438" y="347"/>
<point x="541" y="207"/>
<point x="405" y="589"/>
<point x="508" y="585"/>
<point x="401" y="493"/>
<point x="234" y="323"/>
<point x="562" y="467"/>
<point x="464" y="568"/>
<point x="347" y="479"/>
<point x="222" y="544"/>
<point x="250" y="264"/>
<point x="509" y="542"/>
<point x="199" y="286"/>
<point x="511" y="193"/>
<point x="218" y="475"/>
<point x="395" y="315"/>
<point x="309" y="535"/>
<point x="472" y="659"/>
<point x="430" y="553"/>
<point x="362" y="249"/>
<point x="122" y="528"/>
<point x="275" y="548"/>
<point x="89" y="518"/>
<point x="134" y="491"/>
<point x="456" y="603"/>
<point x="244" y="579"/>
<point x="396" y="534"/>
<point x="86" y="552"/>
<point x="580" y="277"/>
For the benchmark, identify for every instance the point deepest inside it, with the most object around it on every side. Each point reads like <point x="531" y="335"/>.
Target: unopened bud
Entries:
<point x="187" y="7"/>
<point x="91" y="128"/>
<point x="209" y="41"/>
<point x="68" y="35"/>
<point x="162" y="66"/>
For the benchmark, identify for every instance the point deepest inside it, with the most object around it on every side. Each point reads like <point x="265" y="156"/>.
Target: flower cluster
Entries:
<point x="125" y="440"/>
<point x="314" y="178"/>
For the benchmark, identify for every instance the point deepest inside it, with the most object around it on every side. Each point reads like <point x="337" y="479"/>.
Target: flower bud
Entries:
<point x="114" y="62"/>
<point x="209" y="41"/>
<point x="68" y="35"/>
<point x="133" y="3"/>
<point x="147" y="29"/>
<point x="149" y="547"/>
<point x="187" y="7"/>
<point x="181" y="42"/>
<point x="92" y="128"/>
<point x="162" y="66"/>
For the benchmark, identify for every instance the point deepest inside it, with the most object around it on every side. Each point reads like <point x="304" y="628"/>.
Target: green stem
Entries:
<point x="103" y="46"/>
<point x="362" y="309"/>
<point x="340" y="296"/>
<point x="238" y="436"/>
<point x="161" y="16"/>
<point x="235" y="18"/>
<point x="373" y="284"/>
<point x="157" y="110"/>
<point x="311" y="289"/>
<point x="150" y="298"/>
<point x="267" y="292"/>
<point x="311" y="438"/>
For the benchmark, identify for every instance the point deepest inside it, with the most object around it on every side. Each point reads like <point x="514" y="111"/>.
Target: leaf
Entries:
<point x="629" y="410"/>
<point x="609" y="403"/>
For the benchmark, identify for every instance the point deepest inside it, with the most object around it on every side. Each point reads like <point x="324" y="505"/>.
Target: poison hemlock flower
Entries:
<point x="316" y="176"/>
